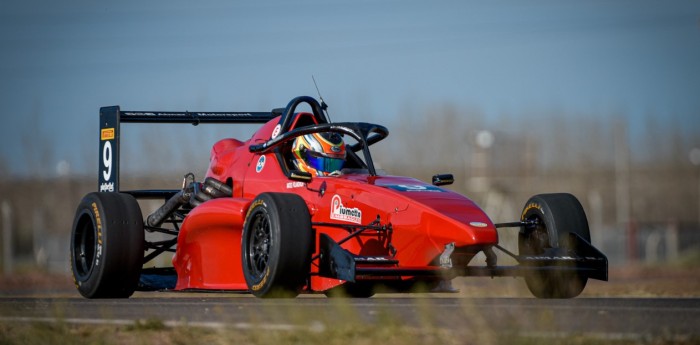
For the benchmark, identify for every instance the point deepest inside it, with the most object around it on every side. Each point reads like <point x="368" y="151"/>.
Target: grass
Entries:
<point x="44" y="333"/>
<point x="386" y="332"/>
<point x="343" y="324"/>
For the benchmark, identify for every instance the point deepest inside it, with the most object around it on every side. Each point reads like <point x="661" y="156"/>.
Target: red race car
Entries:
<point x="300" y="207"/>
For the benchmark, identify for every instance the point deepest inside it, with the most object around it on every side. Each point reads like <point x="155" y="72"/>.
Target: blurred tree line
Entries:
<point x="622" y="178"/>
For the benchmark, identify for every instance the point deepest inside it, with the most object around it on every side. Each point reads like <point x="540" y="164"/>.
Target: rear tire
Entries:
<point x="277" y="244"/>
<point x="557" y="215"/>
<point x="107" y="245"/>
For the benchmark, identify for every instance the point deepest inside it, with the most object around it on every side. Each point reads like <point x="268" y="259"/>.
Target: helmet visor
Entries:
<point x="324" y="164"/>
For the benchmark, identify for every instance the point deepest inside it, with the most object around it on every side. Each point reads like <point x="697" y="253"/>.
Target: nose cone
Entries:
<point x="446" y="215"/>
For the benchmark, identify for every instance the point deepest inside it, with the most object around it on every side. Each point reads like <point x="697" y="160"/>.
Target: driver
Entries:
<point x="321" y="154"/>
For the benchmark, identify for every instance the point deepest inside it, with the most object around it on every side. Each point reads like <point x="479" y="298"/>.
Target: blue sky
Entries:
<point x="61" y="60"/>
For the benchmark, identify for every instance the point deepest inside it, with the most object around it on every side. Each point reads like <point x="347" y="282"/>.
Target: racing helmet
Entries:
<point x="320" y="154"/>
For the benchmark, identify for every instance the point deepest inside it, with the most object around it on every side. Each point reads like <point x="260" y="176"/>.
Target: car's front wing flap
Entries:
<point x="336" y="262"/>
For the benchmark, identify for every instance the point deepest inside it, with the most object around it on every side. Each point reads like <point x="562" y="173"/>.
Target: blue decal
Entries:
<point x="261" y="164"/>
<point x="414" y="188"/>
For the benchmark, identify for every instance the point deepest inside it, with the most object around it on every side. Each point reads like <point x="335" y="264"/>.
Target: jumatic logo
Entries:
<point x="346" y="214"/>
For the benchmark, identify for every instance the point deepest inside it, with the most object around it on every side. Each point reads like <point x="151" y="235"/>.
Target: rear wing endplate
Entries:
<point x="112" y="117"/>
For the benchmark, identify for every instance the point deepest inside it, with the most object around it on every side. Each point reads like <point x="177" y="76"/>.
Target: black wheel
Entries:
<point x="556" y="215"/>
<point x="106" y="250"/>
<point x="352" y="290"/>
<point x="277" y="245"/>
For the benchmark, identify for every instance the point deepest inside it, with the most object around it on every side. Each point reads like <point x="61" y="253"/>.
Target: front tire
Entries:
<point x="277" y="245"/>
<point x="556" y="215"/>
<point x="107" y="245"/>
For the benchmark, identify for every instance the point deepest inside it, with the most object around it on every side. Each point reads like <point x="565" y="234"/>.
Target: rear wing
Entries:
<point x="112" y="117"/>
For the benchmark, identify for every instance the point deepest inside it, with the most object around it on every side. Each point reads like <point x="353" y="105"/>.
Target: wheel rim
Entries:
<point x="84" y="247"/>
<point x="537" y="237"/>
<point x="259" y="244"/>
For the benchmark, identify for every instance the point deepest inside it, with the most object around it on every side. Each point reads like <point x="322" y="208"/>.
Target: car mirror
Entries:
<point x="443" y="179"/>
<point x="298" y="175"/>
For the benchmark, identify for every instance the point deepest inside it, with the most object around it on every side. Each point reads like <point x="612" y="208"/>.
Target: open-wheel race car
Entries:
<point x="263" y="223"/>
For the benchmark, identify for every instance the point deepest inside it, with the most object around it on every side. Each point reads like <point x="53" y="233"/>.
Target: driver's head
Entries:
<point x="320" y="154"/>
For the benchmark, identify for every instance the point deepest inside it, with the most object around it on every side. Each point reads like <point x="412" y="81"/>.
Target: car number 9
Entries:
<point x="107" y="160"/>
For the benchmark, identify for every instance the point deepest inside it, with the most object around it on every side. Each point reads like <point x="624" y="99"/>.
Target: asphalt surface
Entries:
<point x="606" y="317"/>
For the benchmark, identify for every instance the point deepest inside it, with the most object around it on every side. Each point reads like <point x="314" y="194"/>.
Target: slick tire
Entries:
<point x="557" y="215"/>
<point x="107" y="245"/>
<point x="277" y="244"/>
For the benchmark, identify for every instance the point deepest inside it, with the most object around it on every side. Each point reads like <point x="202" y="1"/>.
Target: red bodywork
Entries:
<point x="424" y="218"/>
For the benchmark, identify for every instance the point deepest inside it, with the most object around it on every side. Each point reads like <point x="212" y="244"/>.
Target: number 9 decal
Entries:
<point x="107" y="160"/>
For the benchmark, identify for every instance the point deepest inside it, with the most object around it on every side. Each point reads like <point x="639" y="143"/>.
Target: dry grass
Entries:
<point x="632" y="281"/>
<point x="387" y="331"/>
<point x="627" y="281"/>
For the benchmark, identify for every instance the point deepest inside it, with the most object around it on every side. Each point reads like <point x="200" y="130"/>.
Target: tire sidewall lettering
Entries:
<point x="98" y="226"/>
<point x="262" y="282"/>
<point x="253" y="206"/>
<point x="533" y="206"/>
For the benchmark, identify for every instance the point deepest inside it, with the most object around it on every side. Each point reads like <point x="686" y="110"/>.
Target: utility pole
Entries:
<point x="622" y="189"/>
<point x="694" y="157"/>
<point x="7" y="255"/>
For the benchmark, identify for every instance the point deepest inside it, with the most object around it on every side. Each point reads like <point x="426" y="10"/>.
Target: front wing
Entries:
<point x="336" y="262"/>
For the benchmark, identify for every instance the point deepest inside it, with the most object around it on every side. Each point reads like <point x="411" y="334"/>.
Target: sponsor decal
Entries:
<point x="261" y="164"/>
<point x="260" y="285"/>
<point x="276" y="131"/>
<point x="346" y="214"/>
<point x="295" y="184"/>
<point x="107" y="187"/>
<point x="478" y="224"/>
<point x="415" y="188"/>
<point x="567" y="258"/>
<point x="255" y="204"/>
<point x="375" y="258"/>
<point x="187" y="115"/>
<point x="570" y="258"/>
<point x="107" y="134"/>
<point x="98" y="224"/>
<point x="531" y="206"/>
